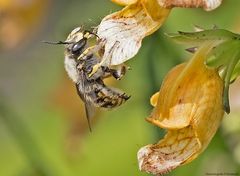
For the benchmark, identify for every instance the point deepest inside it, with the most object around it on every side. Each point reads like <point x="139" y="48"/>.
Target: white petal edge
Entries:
<point x="175" y="149"/>
<point x="207" y="5"/>
<point x="122" y="35"/>
<point x="212" y="4"/>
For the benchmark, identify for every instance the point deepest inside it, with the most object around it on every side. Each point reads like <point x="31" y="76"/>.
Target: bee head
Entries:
<point x="76" y="41"/>
<point x="76" y="35"/>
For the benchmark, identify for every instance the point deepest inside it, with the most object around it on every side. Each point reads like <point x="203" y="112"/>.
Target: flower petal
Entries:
<point x="124" y="2"/>
<point x="164" y="115"/>
<point x="154" y="99"/>
<point x="179" y="97"/>
<point x="207" y="5"/>
<point x="176" y="148"/>
<point x="122" y="32"/>
<point x="154" y="10"/>
<point x="190" y="106"/>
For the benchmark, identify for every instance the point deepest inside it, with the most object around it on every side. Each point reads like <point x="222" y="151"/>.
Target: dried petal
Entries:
<point x="172" y="151"/>
<point x="189" y="105"/>
<point x="205" y="4"/>
<point x="122" y="32"/>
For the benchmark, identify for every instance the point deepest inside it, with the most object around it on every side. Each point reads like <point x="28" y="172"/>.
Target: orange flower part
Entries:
<point x="189" y="106"/>
<point x="122" y="32"/>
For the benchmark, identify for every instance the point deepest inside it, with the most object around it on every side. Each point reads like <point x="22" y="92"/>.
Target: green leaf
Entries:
<point x="221" y="54"/>
<point x="236" y="72"/>
<point x="197" y="38"/>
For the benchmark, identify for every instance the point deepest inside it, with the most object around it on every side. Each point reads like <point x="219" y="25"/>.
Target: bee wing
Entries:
<point x="84" y="89"/>
<point x="90" y="111"/>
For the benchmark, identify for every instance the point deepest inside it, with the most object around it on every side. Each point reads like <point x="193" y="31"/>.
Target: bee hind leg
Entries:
<point x="125" y="96"/>
<point x="119" y="71"/>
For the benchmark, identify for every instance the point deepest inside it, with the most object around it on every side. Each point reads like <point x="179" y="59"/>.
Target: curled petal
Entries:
<point x="176" y="148"/>
<point x="189" y="105"/>
<point x="207" y="5"/>
<point x="154" y="99"/>
<point x="212" y="4"/>
<point x="122" y="32"/>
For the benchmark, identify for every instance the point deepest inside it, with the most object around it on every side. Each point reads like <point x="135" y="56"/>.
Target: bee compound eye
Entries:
<point x="78" y="47"/>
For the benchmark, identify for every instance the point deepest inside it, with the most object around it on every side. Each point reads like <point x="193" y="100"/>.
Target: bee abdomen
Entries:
<point x="109" y="98"/>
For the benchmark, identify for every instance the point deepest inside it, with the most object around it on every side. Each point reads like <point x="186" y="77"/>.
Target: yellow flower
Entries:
<point x="189" y="106"/>
<point x="122" y="32"/>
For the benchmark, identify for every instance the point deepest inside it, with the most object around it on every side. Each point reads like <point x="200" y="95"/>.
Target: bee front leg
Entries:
<point x="86" y="52"/>
<point x="90" y="51"/>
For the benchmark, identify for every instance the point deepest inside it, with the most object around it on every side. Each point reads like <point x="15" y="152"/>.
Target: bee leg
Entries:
<point x="119" y="71"/>
<point x="106" y="103"/>
<point x="94" y="69"/>
<point x="111" y="97"/>
<point x="106" y="75"/>
<point x="125" y="96"/>
<point x="87" y="51"/>
<point x="116" y="73"/>
<point x="90" y="50"/>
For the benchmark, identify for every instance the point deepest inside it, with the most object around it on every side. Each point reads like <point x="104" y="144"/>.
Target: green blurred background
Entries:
<point x="43" y="130"/>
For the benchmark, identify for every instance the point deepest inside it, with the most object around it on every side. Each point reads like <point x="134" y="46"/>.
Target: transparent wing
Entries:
<point x="84" y="90"/>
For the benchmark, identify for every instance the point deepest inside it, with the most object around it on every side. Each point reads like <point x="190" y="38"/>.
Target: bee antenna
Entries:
<point x="56" y="43"/>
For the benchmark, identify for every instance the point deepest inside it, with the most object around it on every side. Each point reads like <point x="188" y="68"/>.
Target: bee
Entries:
<point x="80" y="59"/>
